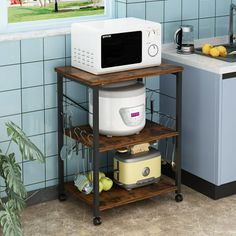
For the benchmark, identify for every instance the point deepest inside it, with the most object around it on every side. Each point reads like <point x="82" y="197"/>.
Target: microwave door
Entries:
<point x="121" y="49"/>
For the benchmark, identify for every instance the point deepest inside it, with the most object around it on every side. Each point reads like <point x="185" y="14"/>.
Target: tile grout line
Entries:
<point x="30" y="62"/>
<point x="21" y="114"/>
<point x="44" y="99"/>
<point x="27" y="112"/>
<point x="199" y="18"/>
<point x="164" y="24"/>
<point x="34" y="135"/>
<point x="215" y="19"/>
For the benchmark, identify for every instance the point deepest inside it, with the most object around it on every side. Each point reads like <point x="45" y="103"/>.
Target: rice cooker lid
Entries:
<point x="131" y="90"/>
<point x="130" y="158"/>
<point x="120" y="84"/>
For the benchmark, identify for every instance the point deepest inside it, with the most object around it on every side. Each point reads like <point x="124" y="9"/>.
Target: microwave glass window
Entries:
<point x="121" y="49"/>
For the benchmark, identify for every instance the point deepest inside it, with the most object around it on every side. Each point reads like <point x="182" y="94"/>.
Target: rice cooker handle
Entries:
<point x="117" y="171"/>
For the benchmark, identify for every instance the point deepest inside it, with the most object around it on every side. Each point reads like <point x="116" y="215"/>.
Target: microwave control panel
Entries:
<point x="153" y="43"/>
<point x="153" y="50"/>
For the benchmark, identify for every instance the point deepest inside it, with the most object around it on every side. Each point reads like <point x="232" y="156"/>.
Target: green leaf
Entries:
<point x="10" y="221"/>
<point x="12" y="176"/>
<point x="18" y="203"/>
<point x="28" y="150"/>
<point x="11" y="172"/>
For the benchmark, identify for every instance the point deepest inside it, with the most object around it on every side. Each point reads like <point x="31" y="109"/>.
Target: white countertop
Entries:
<point x="33" y="34"/>
<point x="198" y="61"/>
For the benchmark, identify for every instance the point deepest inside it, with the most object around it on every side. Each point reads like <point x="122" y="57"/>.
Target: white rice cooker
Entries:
<point x="121" y="108"/>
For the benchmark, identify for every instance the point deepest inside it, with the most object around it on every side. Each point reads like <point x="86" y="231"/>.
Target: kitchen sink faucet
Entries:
<point x="231" y="25"/>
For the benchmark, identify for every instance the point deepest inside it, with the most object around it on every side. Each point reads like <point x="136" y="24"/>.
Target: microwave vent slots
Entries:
<point x="83" y="57"/>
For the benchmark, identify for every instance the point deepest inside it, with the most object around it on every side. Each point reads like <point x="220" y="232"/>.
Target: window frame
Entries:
<point x="5" y="27"/>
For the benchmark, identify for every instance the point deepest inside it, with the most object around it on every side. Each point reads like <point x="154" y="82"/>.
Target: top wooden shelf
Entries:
<point x="94" y="80"/>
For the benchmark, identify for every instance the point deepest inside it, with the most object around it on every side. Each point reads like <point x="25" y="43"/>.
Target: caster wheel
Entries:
<point x="97" y="220"/>
<point x="179" y="197"/>
<point x="62" y="197"/>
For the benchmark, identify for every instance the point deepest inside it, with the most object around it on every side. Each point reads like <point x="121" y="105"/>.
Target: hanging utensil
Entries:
<point x="90" y="159"/>
<point x="81" y="181"/>
<point x="166" y="150"/>
<point x="173" y="155"/>
<point x="66" y="150"/>
<point x="71" y="145"/>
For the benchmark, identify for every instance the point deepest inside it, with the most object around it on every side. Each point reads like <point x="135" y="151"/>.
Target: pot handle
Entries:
<point x="178" y="37"/>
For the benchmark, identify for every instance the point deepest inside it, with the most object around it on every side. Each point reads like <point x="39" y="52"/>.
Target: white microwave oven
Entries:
<point x="113" y="45"/>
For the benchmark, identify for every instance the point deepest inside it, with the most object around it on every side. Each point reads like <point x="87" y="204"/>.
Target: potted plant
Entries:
<point x="14" y="202"/>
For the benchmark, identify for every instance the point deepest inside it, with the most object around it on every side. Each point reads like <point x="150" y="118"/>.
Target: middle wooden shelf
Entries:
<point x="152" y="132"/>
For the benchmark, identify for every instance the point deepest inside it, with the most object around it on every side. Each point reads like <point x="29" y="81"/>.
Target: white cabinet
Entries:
<point x="208" y="124"/>
<point x="228" y="132"/>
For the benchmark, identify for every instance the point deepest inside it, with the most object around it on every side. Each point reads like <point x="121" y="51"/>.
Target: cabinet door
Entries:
<point x="200" y="121"/>
<point x="228" y="135"/>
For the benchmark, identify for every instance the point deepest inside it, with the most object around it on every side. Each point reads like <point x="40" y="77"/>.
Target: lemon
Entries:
<point x="214" y="52"/>
<point x="223" y="54"/>
<point x="206" y="48"/>
<point x="222" y="50"/>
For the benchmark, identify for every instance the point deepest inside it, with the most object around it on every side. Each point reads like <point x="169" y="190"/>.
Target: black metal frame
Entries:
<point x="178" y="128"/>
<point x="61" y="190"/>
<point x="60" y="138"/>
<point x="60" y="95"/>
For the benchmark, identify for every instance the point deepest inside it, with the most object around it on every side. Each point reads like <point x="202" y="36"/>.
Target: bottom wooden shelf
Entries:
<point x="118" y="196"/>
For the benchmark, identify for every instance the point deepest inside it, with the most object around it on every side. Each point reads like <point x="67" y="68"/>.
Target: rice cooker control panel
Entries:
<point x="132" y="116"/>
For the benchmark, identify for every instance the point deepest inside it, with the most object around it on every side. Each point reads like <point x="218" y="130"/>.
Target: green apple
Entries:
<point x="90" y="175"/>
<point x="107" y="183"/>
<point x="101" y="174"/>
<point x="101" y="187"/>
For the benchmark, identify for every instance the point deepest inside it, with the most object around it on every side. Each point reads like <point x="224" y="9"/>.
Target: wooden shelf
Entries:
<point x="94" y="80"/>
<point x="118" y="196"/>
<point x="151" y="133"/>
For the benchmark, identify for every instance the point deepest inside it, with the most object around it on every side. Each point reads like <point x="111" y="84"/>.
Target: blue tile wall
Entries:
<point x="9" y="77"/>
<point x="10" y="102"/>
<point x="222" y="7"/>
<point x="32" y="74"/>
<point x="221" y="22"/>
<point x="207" y="8"/>
<point x="32" y="99"/>
<point x="206" y="27"/>
<point x="154" y="11"/>
<point x="49" y="73"/>
<point x="172" y="10"/>
<point x="10" y="53"/>
<point x="136" y="10"/>
<point x="173" y="13"/>
<point x="28" y="98"/>
<point x="54" y="47"/>
<point x="121" y="10"/>
<point x="28" y="81"/>
<point x="190" y="9"/>
<point x="34" y="172"/>
<point x="32" y="50"/>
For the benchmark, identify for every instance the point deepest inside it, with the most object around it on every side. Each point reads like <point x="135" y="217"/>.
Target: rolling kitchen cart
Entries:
<point x="152" y="132"/>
